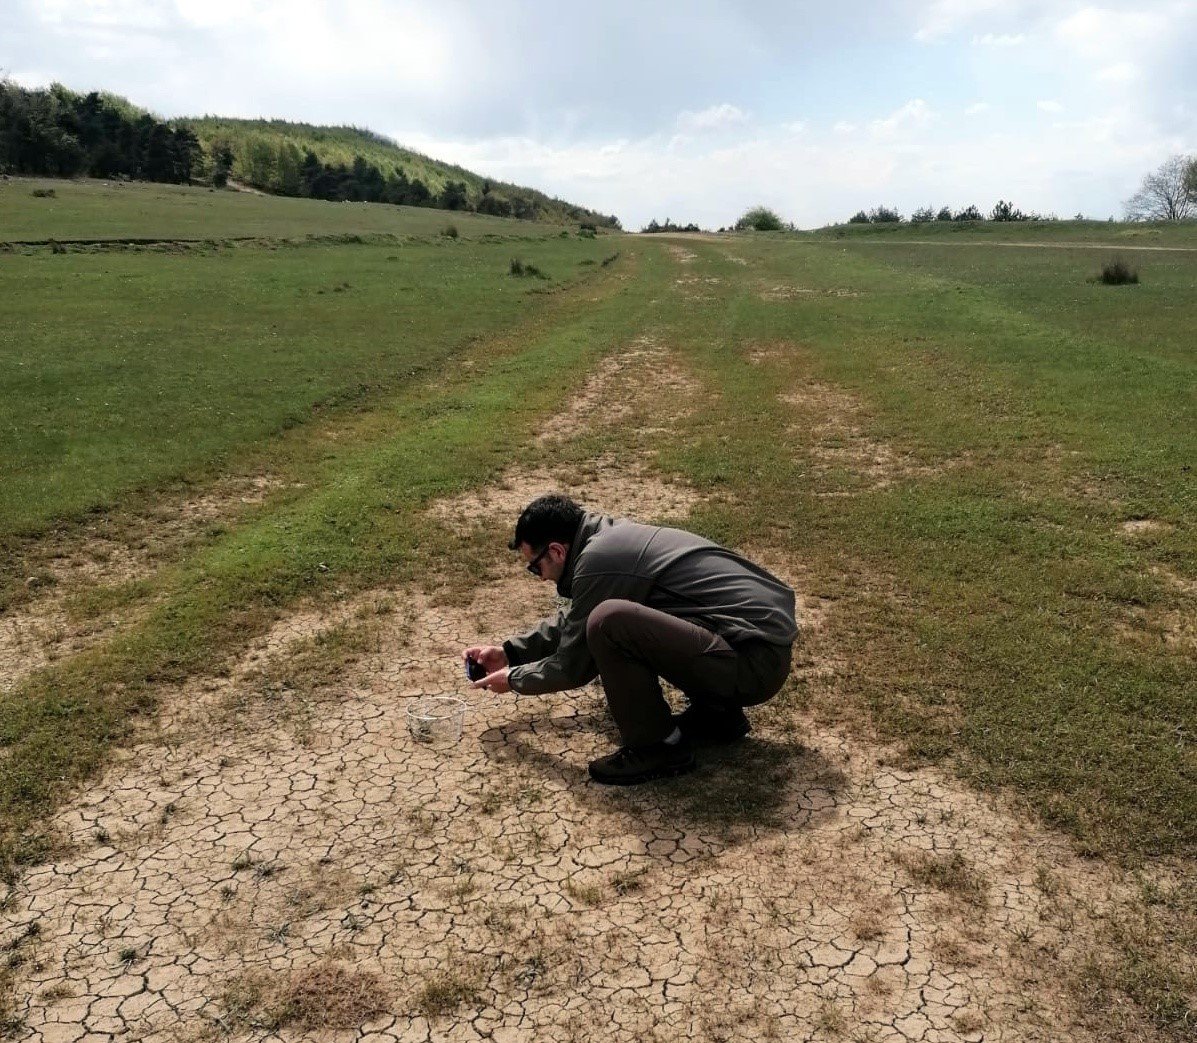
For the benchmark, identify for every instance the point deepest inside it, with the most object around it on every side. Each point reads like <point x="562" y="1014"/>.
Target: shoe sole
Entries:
<point x="669" y="772"/>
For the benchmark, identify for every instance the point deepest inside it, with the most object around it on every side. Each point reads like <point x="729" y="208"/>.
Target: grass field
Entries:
<point x="976" y="461"/>
<point x="88" y="209"/>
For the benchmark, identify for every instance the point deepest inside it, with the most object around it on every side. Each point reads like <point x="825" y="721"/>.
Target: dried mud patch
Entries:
<point x="643" y="389"/>
<point x="832" y="424"/>
<point x="221" y="884"/>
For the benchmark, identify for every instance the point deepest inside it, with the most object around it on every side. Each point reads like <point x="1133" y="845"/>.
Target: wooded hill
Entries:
<point x="61" y="133"/>
<point x="270" y="155"/>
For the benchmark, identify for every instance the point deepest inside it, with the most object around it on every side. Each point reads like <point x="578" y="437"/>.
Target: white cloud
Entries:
<point x="1000" y="40"/>
<point x="825" y="175"/>
<point x="978" y="108"/>
<point x="944" y="17"/>
<point x="717" y="117"/>
<point x="1049" y="106"/>
<point x="1104" y="34"/>
<point x="844" y="127"/>
<point x="794" y="127"/>
<point x="914" y="115"/>
<point x="1119" y="73"/>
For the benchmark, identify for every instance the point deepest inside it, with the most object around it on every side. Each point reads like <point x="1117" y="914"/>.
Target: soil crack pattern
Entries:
<point x="285" y="863"/>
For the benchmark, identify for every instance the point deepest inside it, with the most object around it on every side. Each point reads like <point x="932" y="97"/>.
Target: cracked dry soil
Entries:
<point x="795" y="888"/>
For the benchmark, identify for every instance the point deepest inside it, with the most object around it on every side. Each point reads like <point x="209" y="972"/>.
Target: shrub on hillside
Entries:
<point x="450" y="232"/>
<point x="859" y="218"/>
<point x="43" y="193"/>
<point x="969" y="213"/>
<point x="922" y="216"/>
<point x="945" y="214"/>
<point x="759" y="219"/>
<point x="522" y="270"/>
<point x="883" y="215"/>
<point x="1117" y="273"/>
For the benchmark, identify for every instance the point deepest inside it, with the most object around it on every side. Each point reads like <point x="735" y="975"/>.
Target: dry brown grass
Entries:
<point x="328" y="995"/>
<point x="951" y="873"/>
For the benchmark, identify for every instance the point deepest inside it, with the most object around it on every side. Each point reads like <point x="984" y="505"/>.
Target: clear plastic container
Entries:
<point x="436" y="720"/>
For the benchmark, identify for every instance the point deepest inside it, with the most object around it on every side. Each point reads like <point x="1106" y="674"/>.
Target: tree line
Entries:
<point x="1002" y="211"/>
<point x="59" y="133"/>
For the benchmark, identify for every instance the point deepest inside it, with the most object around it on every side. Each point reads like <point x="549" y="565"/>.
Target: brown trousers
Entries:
<point x="634" y="646"/>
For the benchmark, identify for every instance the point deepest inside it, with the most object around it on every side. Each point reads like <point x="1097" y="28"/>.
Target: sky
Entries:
<point x="693" y="110"/>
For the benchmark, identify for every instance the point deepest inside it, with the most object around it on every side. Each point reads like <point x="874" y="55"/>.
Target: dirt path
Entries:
<point x="282" y="861"/>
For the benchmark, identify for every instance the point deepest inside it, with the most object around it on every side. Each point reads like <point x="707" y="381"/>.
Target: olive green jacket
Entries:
<point x="667" y="569"/>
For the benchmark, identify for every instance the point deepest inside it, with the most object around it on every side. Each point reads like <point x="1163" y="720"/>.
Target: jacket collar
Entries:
<point x="587" y="527"/>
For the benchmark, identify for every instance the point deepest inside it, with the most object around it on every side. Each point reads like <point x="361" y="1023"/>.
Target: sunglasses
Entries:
<point x="534" y="565"/>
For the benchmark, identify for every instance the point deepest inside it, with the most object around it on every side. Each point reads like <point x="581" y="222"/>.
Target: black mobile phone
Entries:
<point x="475" y="671"/>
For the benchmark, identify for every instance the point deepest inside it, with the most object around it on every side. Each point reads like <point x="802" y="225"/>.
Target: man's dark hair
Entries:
<point x="547" y="519"/>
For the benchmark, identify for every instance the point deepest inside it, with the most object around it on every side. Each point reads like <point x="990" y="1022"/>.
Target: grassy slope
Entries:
<point x="983" y="605"/>
<point x="114" y="210"/>
<point x="157" y="366"/>
<point x="1121" y="233"/>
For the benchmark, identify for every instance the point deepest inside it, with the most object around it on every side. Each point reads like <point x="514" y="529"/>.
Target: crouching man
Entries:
<point x="646" y="602"/>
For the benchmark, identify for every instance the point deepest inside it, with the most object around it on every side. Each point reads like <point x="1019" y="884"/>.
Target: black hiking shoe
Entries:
<point x="632" y="765"/>
<point x="712" y="726"/>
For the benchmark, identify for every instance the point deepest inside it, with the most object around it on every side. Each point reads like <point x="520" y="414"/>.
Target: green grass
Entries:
<point x="127" y="370"/>
<point x="979" y="601"/>
<point x="1128" y="234"/>
<point x="88" y="209"/>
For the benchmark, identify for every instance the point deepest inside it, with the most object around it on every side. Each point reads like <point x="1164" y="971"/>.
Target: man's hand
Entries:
<point x="492" y="657"/>
<point x="496" y="682"/>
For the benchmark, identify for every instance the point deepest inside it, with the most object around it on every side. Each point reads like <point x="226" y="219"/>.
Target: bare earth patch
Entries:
<point x="41" y="629"/>
<point x="285" y="863"/>
<point x="786" y="292"/>
<point x="1144" y="527"/>
<point x="832" y="425"/>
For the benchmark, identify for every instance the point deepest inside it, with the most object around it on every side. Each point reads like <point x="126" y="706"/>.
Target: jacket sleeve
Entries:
<point x="540" y="641"/>
<point x="571" y="665"/>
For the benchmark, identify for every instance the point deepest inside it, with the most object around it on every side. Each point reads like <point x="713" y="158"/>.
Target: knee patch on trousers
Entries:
<point x="607" y="614"/>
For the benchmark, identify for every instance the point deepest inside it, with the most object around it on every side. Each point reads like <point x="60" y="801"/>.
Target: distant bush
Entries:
<point x="922" y="216"/>
<point x="611" y="260"/>
<point x="859" y="218"/>
<point x="586" y="233"/>
<point x="1117" y="273"/>
<point x="521" y="270"/>
<point x="760" y="219"/>
<point x="884" y="215"/>
<point x="669" y="226"/>
<point x="969" y="213"/>
<point x="944" y="214"/>
<point x="1003" y="211"/>
<point x="587" y="226"/>
<point x="450" y="232"/>
<point x="43" y="193"/>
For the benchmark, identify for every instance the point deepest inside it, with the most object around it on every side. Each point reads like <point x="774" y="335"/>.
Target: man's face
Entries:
<point x="550" y="560"/>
